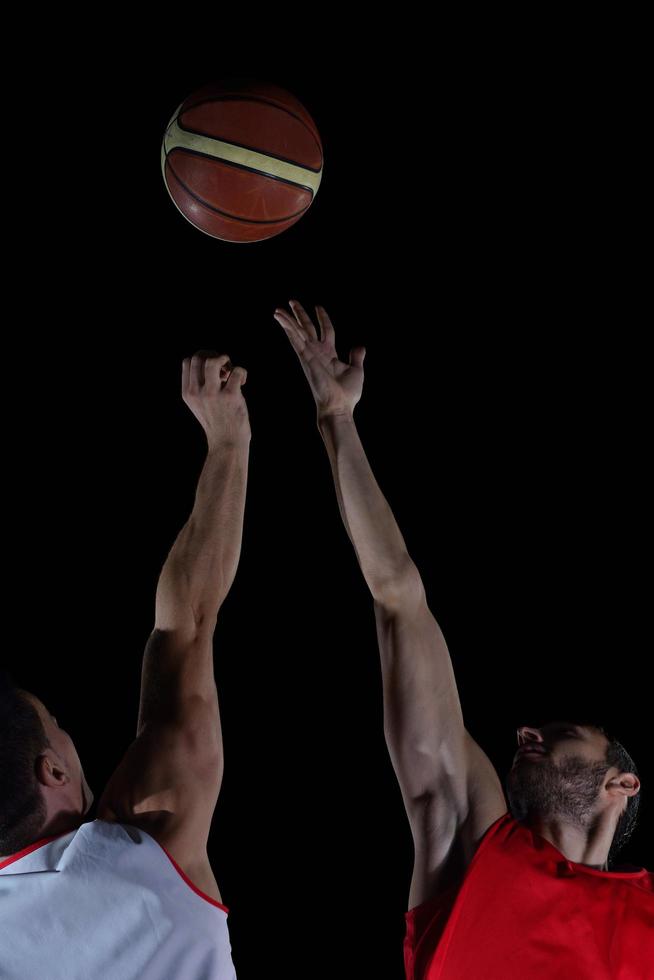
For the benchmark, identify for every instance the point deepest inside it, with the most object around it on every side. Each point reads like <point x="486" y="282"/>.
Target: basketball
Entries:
<point x="242" y="160"/>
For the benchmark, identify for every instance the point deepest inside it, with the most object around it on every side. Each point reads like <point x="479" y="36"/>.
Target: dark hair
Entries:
<point x="22" y="740"/>
<point x="618" y="757"/>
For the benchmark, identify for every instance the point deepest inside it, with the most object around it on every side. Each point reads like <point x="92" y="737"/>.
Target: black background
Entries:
<point x="475" y="230"/>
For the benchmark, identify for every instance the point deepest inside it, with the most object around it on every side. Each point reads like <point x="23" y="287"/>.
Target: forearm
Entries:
<point x="202" y="563"/>
<point x="368" y="519"/>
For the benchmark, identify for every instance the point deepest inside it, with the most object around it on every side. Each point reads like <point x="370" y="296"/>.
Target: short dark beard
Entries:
<point x="567" y="790"/>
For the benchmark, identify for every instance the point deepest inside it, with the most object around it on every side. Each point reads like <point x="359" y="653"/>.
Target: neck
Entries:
<point x="62" y="824"/>
<point x="583" y="845"/>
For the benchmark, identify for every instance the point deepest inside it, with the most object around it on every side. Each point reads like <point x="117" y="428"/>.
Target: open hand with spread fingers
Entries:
<point x="336" y="386"/>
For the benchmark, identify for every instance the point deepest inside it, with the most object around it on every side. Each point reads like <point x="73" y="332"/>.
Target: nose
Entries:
<point x="526" y="735"/>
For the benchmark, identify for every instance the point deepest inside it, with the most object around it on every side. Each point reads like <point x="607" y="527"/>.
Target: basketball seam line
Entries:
<point x="237" y="166"/>
<point x="255" y="99"/>
<point x="226" y="214"/>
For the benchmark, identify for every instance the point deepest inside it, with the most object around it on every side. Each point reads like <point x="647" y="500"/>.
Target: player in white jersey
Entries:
<point x="132" y="895"/>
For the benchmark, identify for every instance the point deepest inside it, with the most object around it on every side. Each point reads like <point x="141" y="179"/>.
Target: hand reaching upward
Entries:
<point x="336" y="386"/>
<point x="211" y="387"/>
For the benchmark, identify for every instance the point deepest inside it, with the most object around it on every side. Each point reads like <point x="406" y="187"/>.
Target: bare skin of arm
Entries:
<point x="386" y="565"/>
<point x="450" y="790"/>
<point x="169" y="779"/>
<point x="177" y="674"/>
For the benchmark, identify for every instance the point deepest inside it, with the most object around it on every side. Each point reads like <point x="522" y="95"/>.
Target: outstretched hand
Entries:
<point x="336" y="386"/>
<point x="211" y="387"/>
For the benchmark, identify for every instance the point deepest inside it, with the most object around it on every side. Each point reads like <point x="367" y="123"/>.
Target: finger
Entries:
<point x="326" y="327"/>
<point x="198" y="371"/>
<point x="293" y="332"/>
<point x="237" y="378"/>
<point x="357" y="356"/>
<point x="216" y="370"/>
<point x="196" y="379"/>
<point x="303" y="319"/>
<point x="186" y="374"/>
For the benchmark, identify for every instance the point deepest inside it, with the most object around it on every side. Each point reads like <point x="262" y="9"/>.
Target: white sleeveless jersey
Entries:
<point x="106" y="902"/>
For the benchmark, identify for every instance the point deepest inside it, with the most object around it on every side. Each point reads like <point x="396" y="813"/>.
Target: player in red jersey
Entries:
<point x="519" y="895"/>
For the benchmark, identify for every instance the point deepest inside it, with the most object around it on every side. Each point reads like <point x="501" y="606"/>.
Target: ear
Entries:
<point x="49" y="772"/>
<point x="624" y="784"/>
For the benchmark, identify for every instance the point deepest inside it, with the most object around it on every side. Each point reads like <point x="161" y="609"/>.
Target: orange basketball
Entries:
<point x="242" y="160"/>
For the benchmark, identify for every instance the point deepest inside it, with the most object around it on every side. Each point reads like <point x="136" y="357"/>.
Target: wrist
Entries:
<point x="228" y="445"/>
<point x="341" y="417"/>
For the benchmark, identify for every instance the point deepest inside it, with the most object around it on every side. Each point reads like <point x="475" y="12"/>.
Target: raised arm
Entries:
<point x="450" y="790"/>
<point x="177" y="676"/>
<point x="169" y="779"/>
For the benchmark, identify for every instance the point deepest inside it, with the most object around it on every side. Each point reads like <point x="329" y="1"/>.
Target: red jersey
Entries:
<point x="524" y="912"/>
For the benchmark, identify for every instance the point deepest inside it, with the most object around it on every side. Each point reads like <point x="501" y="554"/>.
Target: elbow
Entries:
<point x="205" y="617"/>
<point x="400" y="590"/>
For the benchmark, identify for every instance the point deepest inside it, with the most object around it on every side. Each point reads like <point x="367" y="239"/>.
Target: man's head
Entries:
<point x="42" y="784"/>
<point x="576" y="774"/>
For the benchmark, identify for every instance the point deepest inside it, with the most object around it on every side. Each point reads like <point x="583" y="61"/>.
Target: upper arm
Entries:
<point x="177" y="672"/>
<point x="451" y="791"/>
<point x="447" y="832"/>
<point x="168" y="784"/>
<point x="169" y="779"/>
<point x="423" y="721"/>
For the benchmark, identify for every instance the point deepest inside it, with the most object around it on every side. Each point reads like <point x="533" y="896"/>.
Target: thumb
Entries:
<point x="357" y="356"/>
<point x="237" y="378"/>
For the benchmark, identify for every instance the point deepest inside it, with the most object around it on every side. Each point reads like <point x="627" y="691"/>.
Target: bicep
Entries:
<point x="423" y="721"/>
<point x="177" y="672"/>
<point x="450" y="789"/>
<point x="446" y="833"/>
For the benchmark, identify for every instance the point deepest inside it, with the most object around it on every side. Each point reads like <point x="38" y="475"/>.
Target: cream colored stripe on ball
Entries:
<point x="261" y="162"/>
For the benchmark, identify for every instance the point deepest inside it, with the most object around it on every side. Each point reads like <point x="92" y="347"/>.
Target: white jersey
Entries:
<point x="106" y="902"/>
